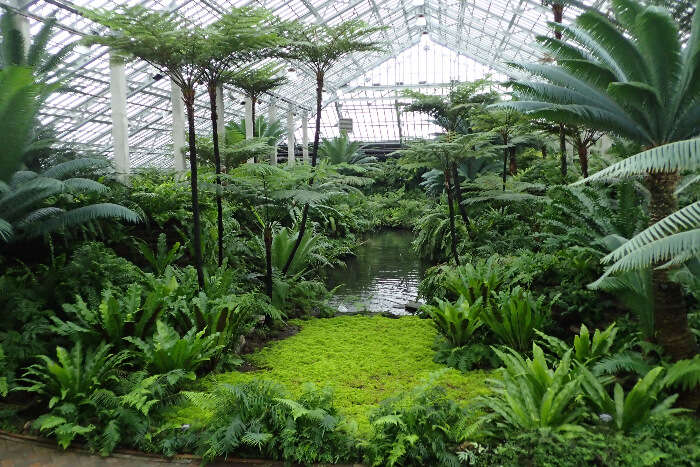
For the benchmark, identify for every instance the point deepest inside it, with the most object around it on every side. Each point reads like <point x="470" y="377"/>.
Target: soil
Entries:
<point x="255" y="342"/>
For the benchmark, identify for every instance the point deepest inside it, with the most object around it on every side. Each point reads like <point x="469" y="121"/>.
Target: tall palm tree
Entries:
<point x="316" y="48"/>
<point x="455" y="113"/>
<point x="235" y="39"/>
<point x="254" y="82"/>
<point x="634" y="79"/>
<point x="173" y="46"/>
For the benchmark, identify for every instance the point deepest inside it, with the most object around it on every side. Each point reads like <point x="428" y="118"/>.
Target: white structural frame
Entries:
<point x="491" y="32"/>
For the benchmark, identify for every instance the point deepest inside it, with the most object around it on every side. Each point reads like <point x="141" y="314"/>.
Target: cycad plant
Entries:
<point x="46" y="71"/>
<point x="634" y="79"/>
<point x="29" y="207"/>
<point x="268" y="131"/>
<point x="340" y="150"/>
<point x="15" y="52"/>
<point x="19" y="104"/>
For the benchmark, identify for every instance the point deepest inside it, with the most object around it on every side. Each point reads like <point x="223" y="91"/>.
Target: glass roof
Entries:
<point x="430" y="43"/>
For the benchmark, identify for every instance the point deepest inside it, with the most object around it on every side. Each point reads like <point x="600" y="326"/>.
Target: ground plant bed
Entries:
<point x="350" y="233"/>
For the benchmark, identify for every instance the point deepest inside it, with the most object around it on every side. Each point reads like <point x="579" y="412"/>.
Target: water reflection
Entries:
<point x="383" y="277"/>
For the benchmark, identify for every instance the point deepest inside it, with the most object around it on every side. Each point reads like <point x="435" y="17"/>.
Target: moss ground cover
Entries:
<point x="364" y="359"/>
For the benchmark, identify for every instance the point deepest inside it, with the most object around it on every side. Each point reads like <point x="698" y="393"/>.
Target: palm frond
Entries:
<point x="81" y="216"/>
<point x="673" y="157"/>
<point x="71" y="167"/>
<point x="685" y="218"/>
<point x="673" y="248"/>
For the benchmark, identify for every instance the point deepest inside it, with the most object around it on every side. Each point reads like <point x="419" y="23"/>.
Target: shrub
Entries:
<point x="478" y="280"/>
<point x="514" y="317"/>
<point x="669" y="441"/>
<point x="637" y="406"/>
<point x="168" y="351"/>
<point x="468" y="357"/>
<point x="529" y="395"/>
<point x="117" y="316"/>
<point x="74" y="375"/>
<point x="421" y="427"/>
<point x="259" y="417"/>
<point x="456" y="322"/>
<point x="92" y="269"/>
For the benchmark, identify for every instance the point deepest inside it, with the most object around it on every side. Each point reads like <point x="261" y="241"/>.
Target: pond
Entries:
<point x="382" y="278"/>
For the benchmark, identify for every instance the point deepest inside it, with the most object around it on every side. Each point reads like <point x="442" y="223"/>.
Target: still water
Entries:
<point x="383" y="277"/>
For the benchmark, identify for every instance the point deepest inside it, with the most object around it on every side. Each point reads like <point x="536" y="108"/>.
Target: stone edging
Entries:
<point x="135" y="458"/>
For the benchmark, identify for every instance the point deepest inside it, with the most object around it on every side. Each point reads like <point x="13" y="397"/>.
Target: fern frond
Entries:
<point x="684" y="374"/>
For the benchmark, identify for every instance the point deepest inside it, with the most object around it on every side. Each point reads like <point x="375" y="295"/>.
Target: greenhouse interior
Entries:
<point x="354" y="232"/>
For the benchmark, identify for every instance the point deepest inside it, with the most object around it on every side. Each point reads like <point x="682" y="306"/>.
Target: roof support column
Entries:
<point x="290" y="136"/>
<point x="120" y="124"/>
<point x="22" y="25"/>
<point x="178" y="106"/>
<point x="272" y="110"/>
<point x="249" y="122"/>
<point x="305" y="136"/>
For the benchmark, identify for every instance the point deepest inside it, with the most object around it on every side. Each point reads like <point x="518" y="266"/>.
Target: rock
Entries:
<point x="412" y="307"/>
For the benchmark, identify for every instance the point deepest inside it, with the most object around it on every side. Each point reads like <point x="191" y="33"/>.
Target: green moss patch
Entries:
<point x="364" y="359"/>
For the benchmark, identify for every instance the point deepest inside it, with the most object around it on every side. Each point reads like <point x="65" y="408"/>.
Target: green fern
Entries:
<point x="634" y="408"/>
<point x="529" y="395"/>
<point x="457" y="322"/>
<point x="168" y="351"/>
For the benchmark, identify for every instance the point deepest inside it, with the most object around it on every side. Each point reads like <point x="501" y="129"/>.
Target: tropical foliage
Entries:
<point x="184" y="312"/>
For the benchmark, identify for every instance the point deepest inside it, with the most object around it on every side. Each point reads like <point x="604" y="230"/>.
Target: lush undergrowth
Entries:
<point x="363" y="359"/>
<point x="561" y="307"/>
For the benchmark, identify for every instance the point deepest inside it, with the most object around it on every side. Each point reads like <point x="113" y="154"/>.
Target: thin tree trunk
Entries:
<point x="544" y="152"/>
<point x="583" y="159"/>
<point x="450" y="201"/>
<point x="505" y="161"/>
<point x="513" y="163"/>
<point x="458" y="195"/>
<point x="558" y="11"/>
<point x="217" y="164"/>
<point x="319" y="103"/>
<point x="268" y="260"/>
<point x="562" y="150"/>
<point x="253" y="101"/>
<point x="188" y="97"/>
<point x="314" y="154"/>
